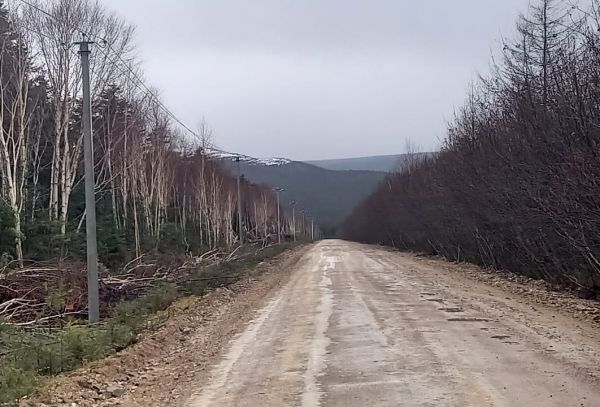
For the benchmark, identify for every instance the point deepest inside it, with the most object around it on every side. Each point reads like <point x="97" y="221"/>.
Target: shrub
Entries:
<point x="15" y="382"/>
<point x="7" y="233"/>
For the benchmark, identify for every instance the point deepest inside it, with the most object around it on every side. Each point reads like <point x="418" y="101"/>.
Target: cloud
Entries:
<point x="318" y="78"/>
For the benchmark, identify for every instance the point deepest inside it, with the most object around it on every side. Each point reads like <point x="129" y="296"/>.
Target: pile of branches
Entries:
<point x="48" y="294"/>
<point x="40" y="291"/>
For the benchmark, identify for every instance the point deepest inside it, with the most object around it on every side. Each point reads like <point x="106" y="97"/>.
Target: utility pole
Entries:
<point x="293" y="205"/>
<point x="312" y="229"/>
<point x="303" y="223"/>
<point x="239" y="202"/>
<point x="278" y="190"/>
<point x="90" y="197"/>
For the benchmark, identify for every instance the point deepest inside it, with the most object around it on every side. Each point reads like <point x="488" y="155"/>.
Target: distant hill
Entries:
<point x="328" y="195"/>
<point x="383" y="163"/>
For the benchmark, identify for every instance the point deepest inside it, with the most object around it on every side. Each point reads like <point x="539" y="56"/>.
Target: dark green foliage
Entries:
<point x="159" y="297"/>
<point x="113" y="248"/>
<point x="44" y="240"/>
<point x="329" y="196"/>
<point x="171" y="238"/>
<point x="15" y="382"/>
<point x="7" y="233"/>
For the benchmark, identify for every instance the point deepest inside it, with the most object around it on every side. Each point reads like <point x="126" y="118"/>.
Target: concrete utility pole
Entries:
<point x="239" y="202"/>
<point x="312" y="229"/>
<point x="90" y="194"/>
<point x="293" y="205"/>
<point x="277" y="191"/>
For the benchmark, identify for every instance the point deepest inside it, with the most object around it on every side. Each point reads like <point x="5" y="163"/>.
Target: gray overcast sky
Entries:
<point x="312" y="79"/>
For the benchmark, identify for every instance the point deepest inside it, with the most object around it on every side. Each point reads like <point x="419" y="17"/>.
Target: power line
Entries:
<point x="33" y="30"/>
<point x="138" y="82"/>
<point x="149" y="91"/>
<point x="59" y="20"/>
<point x="140" y="85"/>
<point x="30" y="29"/>
<point x="41" y="10"/>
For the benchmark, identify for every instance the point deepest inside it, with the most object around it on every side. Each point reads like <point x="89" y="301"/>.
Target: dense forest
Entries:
<point x="158" y="188"/>
<point x="516" y="184"/>
<point x="326" y="196"/>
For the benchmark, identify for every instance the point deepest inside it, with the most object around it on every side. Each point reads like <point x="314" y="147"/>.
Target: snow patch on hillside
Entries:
<point x="272" y="161"/>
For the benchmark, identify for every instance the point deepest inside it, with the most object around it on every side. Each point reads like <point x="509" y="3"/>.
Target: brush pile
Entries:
<point x="42" y="294"/>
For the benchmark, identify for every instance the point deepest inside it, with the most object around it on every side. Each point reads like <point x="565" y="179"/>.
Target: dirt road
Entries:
<point x="361" y="326"/>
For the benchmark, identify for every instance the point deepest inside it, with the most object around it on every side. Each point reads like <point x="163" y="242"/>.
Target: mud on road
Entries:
<point x="343" y="324"/>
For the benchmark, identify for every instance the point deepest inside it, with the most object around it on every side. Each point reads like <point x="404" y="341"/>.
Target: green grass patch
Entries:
<point x="27" y="356"/>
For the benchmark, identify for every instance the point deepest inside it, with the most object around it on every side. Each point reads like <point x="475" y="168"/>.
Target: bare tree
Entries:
<point x="56" y="25"/>
<point x="15" y="108"/>
<point x="513" y="184"/>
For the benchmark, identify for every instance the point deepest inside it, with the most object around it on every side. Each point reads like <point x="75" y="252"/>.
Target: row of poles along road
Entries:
<point x="90" y="199"/>
<point x="277" y="190"/>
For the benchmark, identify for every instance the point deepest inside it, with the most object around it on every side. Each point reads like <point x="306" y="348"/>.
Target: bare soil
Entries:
<point x="566" y="301"/>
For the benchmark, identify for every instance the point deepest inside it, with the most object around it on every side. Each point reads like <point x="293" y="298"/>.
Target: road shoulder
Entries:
<point x="164" y="366"/>
<point x="560" y="326"/>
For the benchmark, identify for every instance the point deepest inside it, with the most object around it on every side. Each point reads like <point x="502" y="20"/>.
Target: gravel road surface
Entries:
<point x="361" y="326"/>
